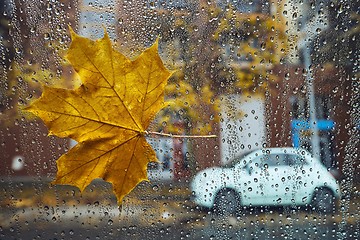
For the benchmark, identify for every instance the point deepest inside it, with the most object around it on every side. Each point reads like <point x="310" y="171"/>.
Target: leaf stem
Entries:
<point x="179" y="136"/>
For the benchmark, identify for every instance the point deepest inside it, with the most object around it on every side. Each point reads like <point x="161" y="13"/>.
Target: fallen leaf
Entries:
<point x="107" y="115"/>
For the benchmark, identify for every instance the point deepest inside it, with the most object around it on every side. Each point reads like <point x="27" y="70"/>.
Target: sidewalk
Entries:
<point x="149" y="203"/>
<point x="26" y="206"/>
<point x="19" y="193"/>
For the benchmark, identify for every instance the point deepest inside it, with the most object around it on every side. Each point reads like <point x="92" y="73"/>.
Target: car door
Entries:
<point x="279" y="179"/>
<point x="293" y="184"/>
<point x="251" y="183"/>
<point x="270" y="179"/>
<point x="266" y="181"/>
<point x="303" y="176"/>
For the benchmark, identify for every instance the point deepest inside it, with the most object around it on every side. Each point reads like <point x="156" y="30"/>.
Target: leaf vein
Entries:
<point x="150" y="105"/>
<point x="94" y="130"/>
<point x="146" y="90"/>
<point x="70" y="104"/>
<point x="94" y="120"/>
<point x="112" y="87"/>
<point x="78" y="126"/>
<point x="85" y="101"/>
<point x="98" y="157"/>
<point x="127" y="169"/>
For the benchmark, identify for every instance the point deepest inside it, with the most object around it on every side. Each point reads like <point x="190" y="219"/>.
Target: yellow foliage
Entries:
<point x="261" y="42"/>
<point x="36" y="77"/>
<point x="196" y="107"/>
<point x="107" y="115"/>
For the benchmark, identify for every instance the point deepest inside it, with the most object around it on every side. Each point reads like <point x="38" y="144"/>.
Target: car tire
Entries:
<point x="227" y="202"/>
<point x="323" y="200"/>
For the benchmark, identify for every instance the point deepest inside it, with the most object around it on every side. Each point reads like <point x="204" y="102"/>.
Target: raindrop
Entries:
<point x="287" y="76"/>
<point x="263" y="46"/>
<point x="155" y="187"/>
<point x="46" y="36"/>
<point x="294" y="16"/>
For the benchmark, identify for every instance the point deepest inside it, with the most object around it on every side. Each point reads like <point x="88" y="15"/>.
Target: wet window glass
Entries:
<point x="180" y="119"/>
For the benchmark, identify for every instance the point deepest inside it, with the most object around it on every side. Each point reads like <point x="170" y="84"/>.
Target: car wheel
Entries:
<point x="227" y="202"/>
<point x="323" y="200"/>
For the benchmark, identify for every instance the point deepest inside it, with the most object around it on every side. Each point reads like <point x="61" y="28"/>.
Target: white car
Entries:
<point x="267" y="177"/>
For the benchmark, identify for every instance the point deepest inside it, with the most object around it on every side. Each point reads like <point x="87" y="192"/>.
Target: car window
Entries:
<point x="285" y="159"/>
<point x="254" y="166"/>
<point x="272" y="160"/>
<point x="238" y="160"/>
<point x="258" y="164"/>
<point x="294" y="160"/>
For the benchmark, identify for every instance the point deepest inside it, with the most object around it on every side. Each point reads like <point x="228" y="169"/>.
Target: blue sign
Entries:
<point x="299" y="125"/>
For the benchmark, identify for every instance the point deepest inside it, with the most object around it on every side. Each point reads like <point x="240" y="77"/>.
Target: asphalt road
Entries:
<point x="157" y="212"/>
<point x="204" y="228"/>
<point x="172" y="220"/>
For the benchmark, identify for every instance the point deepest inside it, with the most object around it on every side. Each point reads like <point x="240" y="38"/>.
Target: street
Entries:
<point x="157" y="211"/>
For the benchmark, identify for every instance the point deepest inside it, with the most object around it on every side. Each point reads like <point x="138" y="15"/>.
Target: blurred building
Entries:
<point x="276" y="118"/>
<point x="329" y="34"/>
<point x="281" y="117"/>
<point x="33" y="35"/>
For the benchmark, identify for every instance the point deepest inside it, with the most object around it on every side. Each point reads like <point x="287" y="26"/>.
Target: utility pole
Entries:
<point x="315" y="139"/>
<point x="310" y="26"/>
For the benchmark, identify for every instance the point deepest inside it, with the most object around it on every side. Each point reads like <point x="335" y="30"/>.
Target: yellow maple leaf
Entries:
<point x="107" y="115"/>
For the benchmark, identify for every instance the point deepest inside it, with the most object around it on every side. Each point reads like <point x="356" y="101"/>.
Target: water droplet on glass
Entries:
<point x="46" y="36"/>
<point x="155" y="187"/>
<point x="263" y="46"/>
<point x="294" y="16"/>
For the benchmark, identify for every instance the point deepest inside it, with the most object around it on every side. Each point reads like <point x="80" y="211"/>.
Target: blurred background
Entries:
<point x="256" y="73"/>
